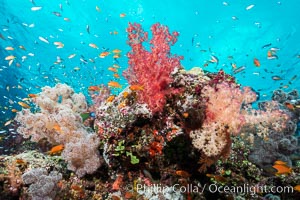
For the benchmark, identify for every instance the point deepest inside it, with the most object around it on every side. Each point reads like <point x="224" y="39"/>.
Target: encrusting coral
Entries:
<point x="58" y="119"/>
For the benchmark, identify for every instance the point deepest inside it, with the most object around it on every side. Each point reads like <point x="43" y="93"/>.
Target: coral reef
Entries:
<point x="169" y="127"/>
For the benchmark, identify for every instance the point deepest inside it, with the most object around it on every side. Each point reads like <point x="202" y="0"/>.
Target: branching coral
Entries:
<point x="59" y="121"/>
<point x="152" y="70"/>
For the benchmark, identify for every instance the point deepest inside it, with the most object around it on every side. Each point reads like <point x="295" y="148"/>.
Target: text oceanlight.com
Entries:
<point x="213" y="188"/>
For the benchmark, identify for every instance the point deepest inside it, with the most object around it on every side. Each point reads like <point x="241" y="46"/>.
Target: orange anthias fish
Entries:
<point x="116" y="51"/>
<point x="282" y="168"/>
<point x="122" y="15"/>
<point x="110" y="98"/>
<point x="182" y="173"/>
<point x="116" y="75"/>
<point x="113" y="69"/>
<point x="136" y="87"/>
<point x="104" y="54"/>
<point x="114" y="84"/>
<point x="289" y="106"/>
<point x="57" y="128"/>
<point x="94" y="88"/>
<point x="56" y="149"/>
<point x="32" y="95"/>
<point x="256" y="62"/>
<point x="297" y="188"/>
<point x="117" y="55"/>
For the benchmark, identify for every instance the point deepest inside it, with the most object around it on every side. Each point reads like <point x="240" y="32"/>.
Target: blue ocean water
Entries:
<point x="236" y="32"/>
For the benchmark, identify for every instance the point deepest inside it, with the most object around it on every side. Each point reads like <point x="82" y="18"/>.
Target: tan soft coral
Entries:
<point x="59" y="121"/>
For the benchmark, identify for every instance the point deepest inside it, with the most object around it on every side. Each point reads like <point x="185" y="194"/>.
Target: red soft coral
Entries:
<point x="152" y="69"/>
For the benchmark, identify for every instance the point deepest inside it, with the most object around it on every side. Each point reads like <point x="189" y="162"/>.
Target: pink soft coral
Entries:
<point x="151" y="69"/>
<point x="224" y="104"/>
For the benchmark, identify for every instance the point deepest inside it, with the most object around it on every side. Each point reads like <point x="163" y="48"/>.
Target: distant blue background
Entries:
<point x="203" y="26"/>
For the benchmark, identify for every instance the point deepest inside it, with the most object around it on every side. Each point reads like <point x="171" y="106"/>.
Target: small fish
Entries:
<point x="250" y="7"/>
<point x="36" y="8"/>
<point x="291" y="107"/>
<point x="2" y="37"/>
<point x="136" y="87"/>
<point x="24" y="105"/>
<point x="294" y="77"/>
<point x="43" y="39"/>
<point x="114" y="84"/>
<point x="125" y="94"/>
<point x="256" y="62"/>
<point x="274" y="49"/>
<point x="98" y="9"/>
<point x="76" y="68"/>
<point x="116" y="51"/>
<point x="20" y="161"/>
<point x="122" y="15"/>
<point x="282" y="169"/>
<point x="233" y="65"/>
<point x="57" y="14"/>
<point x="56" y="149"/>
<point x="58" y="45"/>
<point x="272" y="57"/>
<point x="104" y="54"/>
<point x="117" y="55"/>
<point x="297" y="188"/>
<point x="9" y="48"/>
<point x="234" y="18"/>
<point x="182" y="173"/>
<point x="32" y="95"/>
<point x="110" y="98"/>
<point x="72" y="56"/>
<point x="67" y="19"/>
<point x="214" y="59"/>
<point x="237" y="70"/>
<point x="10" y="62"/>
<point x="113" y="69"/>
<point x="11" y="57"/>
<point x="266" y="45"/>
<point x="276" y="78"/>
<point x="94" y="88"/>
<point x="14" y="110"/>
<point x="8" y="122"/>
<point x="116" y="75"/>
<point x="22" y="47"/>
<point x="185" y="115"/>
<point x="87" y="29"/>
<point x="57" y="128"/>
<point x="93" y="46"/>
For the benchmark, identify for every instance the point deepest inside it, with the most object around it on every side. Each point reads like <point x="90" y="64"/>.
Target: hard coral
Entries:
<point x="152" y="70"/>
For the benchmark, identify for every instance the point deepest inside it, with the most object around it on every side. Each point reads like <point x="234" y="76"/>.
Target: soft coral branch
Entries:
<point x="152" y="69"/>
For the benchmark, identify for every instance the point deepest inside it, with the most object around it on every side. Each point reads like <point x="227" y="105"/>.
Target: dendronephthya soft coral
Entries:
<point x="152" y="69"/>
<point x="59" y="121"/>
